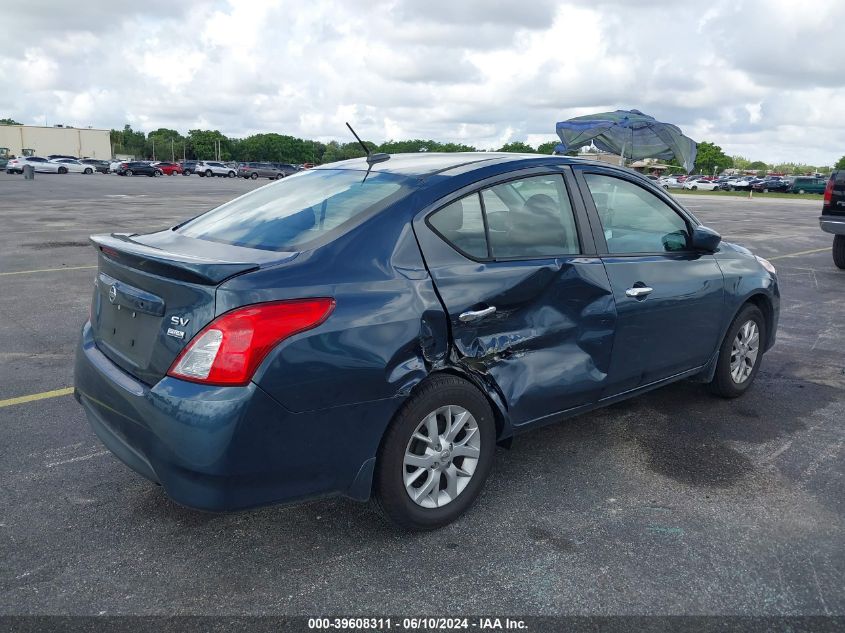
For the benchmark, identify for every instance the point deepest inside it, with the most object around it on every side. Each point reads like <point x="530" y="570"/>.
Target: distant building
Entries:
<point x="43" y="141"/>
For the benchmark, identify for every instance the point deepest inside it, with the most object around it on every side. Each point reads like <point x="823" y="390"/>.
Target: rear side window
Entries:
<point x="530" y="217"/>
<point x="462" y="225"/>
<point x="299" y="209"/>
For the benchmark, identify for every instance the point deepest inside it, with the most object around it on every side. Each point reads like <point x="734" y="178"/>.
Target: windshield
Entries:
<point x="287" y="214"/>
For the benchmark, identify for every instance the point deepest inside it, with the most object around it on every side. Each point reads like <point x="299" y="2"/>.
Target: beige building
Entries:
<point x="72" y="141"/>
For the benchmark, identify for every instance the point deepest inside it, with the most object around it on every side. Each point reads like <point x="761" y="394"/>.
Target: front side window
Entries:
<point x="297" y="210"/>
<point x="635" y="220"/>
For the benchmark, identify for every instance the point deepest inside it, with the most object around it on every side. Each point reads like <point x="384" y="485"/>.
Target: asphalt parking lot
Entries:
<point x="672" y="503"/>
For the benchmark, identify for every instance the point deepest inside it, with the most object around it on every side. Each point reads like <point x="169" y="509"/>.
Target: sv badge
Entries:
<point x="180" y="321"/>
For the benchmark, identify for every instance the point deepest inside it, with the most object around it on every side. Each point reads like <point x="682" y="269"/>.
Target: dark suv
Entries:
<point x="808" y="184"/>
<point x="832" y="219"/>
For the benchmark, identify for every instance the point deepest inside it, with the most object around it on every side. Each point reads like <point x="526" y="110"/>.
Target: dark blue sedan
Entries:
<point x="375" y="329"/>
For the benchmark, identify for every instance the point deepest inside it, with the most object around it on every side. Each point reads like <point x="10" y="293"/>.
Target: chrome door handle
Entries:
<point x="473" y="315"/>
<point x="639" y="291"/>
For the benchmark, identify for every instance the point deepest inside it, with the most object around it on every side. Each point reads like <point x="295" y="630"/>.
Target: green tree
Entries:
<point x="9" y="122"/>
<point x="160" y="142"/>
<point x="710" y="157"/>
<point x="335" y="151"/>
<point x="840" y="164"/>
<point x="757" y="165"/>
<point x="517" y="147"/>
<point x="202" y="145"/>
<point x="128" y="141"/>
<point x="547" y="147"/>
<point x="740" y="162"/>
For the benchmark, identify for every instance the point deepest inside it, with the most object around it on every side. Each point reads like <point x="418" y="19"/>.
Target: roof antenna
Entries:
<point x="371" y="158"/>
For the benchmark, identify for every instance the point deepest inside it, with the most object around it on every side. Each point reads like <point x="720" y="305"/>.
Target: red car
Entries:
<point x="169" y="169"/>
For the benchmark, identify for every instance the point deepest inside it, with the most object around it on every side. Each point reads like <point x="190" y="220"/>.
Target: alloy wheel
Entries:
<point x="746" y="348"/>
<point x="441" y="456"/>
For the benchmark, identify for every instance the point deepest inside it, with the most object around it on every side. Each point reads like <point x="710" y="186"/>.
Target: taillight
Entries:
<point x="828" y="193"/>
<point x="229" y="349"/>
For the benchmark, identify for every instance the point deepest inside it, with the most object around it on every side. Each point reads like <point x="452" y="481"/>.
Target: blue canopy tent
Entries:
<point x="629" y="133"/>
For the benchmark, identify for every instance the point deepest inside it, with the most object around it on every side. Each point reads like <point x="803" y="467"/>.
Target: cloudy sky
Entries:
<point x="762" y="79"/>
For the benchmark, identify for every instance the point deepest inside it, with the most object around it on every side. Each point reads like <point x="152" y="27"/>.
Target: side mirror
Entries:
<point x="704" y="239"/>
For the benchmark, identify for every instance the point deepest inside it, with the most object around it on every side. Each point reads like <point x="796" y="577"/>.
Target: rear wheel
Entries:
<point x="62" y="170"/>
<point x="208" y="173"/>
<point x="800" y="191"/>
<point x="740" y="354"/>
<point x="128" y="172"/>
<point x="279" y="176"/>
<point x="231" y="174"/>
<point x="89" y="171"/>
<point x="839" y="251"/>
<point x="254" y="175"/>
<point x="436" y="455"/>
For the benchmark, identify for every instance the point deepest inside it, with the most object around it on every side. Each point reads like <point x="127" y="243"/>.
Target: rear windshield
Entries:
<point x="289" y="213"/>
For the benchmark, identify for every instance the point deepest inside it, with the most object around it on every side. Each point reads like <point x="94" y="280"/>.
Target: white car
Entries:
<point x="114" y="165"/>
<point x="214" y="168"/>
<point x="670" y="182"/>
<point x="41" y="165"/>
<point x="704" y="185"/>
<point x="73" y="166"/>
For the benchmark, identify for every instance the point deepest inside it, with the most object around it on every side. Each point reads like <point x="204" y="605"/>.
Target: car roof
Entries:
<point x="428" y="163"/>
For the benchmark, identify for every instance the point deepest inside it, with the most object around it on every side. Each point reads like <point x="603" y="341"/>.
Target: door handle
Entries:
<point x="473" y="315"/>
<point x="639" y="292"/>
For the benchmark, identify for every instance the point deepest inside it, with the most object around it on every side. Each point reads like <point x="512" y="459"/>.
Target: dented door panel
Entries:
<point x="547" y="345"/>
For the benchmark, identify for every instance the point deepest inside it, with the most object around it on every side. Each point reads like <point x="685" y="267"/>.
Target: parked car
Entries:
<point x="138" y="168"/>
<point x="333" y="333"/>
<point x="704" y="185"/>
<point x="39" y="164"/>
<point x="832" y="219"/>
<point x="671" y="182"/>
<point x="259" y="170"/>
<point x="745" y="183"/>
<point x="214" y="168"/>
<point x="188" y="167"/>
<point x="115" y="165"/>
<point x="286" y="168"/>
<point x="168" y="168"/>
<point x="808" y="184"/>
<point x="74" y="166"/>
<point x="771" y="184"/>
<point x="101" y="166"/>
<point x="55" y="156"/>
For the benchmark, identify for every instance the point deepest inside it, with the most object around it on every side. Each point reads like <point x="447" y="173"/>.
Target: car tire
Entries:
<point x="88" y="171"/>
<point x="208" y="173"/>
<point x="441" y="396"/>
<point x="253" y="176"/>
<point x="157" y="173"/>
<point x="231" y="174"/>
<point x="839" y="251"/>
<point x="128" y="172"/>
<point x="62" y="170"/>
<point x="694" y="188"/>
<point x="765" y="191"/>
<point x="800" y="191"/>
<point x="732" y="377"/>
<point x="666" y="187"/>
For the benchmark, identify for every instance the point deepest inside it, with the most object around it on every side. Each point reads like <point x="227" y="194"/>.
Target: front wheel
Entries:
<point x="436" y="455"/>
<point x="839" y="251"/>
<point x="89" y="171"/>
<point x="62" y="170"/>
<point x="740" y="354"/>
<point x="231" y="174"/>
<point x="208" y="173"/>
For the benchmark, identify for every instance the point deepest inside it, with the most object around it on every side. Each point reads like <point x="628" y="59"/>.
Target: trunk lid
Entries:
<point x="154" y="292"/>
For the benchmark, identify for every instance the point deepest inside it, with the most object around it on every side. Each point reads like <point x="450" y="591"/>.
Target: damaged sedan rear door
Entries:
<point x="529" y="302"/>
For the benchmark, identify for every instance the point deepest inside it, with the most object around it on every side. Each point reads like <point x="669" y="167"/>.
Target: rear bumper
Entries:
<point x="832" y="224"/>
<point x="226" y="448"/>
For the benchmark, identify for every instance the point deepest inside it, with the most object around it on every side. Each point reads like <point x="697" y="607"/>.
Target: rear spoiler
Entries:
<point x="120" y="247"/>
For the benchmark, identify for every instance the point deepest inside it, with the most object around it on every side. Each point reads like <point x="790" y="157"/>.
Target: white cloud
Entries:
<point x="760" y="78"/>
